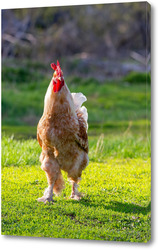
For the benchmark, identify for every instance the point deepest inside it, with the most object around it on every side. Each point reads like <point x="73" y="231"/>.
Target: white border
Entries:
<point x="18" y="243"/>
<point x="29" y="3"/>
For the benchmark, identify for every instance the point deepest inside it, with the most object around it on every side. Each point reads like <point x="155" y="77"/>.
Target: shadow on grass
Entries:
<point x="129" y="208"/>
<point x="117" y="206"/>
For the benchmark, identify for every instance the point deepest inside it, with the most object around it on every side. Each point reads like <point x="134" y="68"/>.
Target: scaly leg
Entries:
<point x="51" y="167"/>
<point x="48" y="193"/>
<point x="75" y="173"/>
<point x="75" y="194"/>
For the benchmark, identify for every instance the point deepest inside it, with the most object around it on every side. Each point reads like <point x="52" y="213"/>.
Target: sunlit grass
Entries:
<point x="27" y="152"/>
<point x="115" y="188"/>
<point x="115" y="203"/>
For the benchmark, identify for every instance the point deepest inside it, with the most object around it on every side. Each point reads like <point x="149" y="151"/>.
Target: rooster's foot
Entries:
<point x="75" y="197"/>
<point x="45" y="199"/>
<point x="48" y="194"/>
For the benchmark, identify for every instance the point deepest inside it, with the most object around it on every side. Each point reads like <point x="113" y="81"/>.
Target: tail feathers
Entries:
<point x="79" y="99"/>
<point x="59" y="184"/>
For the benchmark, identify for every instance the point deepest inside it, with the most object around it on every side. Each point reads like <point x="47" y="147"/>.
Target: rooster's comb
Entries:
<point x="54" y="66"/>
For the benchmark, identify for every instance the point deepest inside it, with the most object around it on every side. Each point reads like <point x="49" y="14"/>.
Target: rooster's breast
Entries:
<point x="58" y="130"/>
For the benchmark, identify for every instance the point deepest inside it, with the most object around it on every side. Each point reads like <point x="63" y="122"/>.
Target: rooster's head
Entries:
<point x="58" y="78"/>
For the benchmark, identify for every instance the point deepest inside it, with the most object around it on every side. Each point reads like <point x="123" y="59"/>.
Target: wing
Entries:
<point x="82" y="115"/>
<point x="81" y="136"/>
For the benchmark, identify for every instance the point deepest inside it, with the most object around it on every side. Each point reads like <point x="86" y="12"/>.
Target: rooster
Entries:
<point x="62" y="135"/>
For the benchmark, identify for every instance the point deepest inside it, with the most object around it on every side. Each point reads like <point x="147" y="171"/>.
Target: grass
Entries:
<point x="27" y="152"/>
<point x="141" y="127"/>
<point x="116" y="185"/>
<point x="115" y="188"/>
<point x="115" y="205"/>
<point x="108" y="102"/>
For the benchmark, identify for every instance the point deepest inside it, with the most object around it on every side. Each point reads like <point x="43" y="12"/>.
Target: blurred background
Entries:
<point x="104" y="51"/>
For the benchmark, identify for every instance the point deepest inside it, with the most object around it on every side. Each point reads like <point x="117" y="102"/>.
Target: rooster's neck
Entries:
<point x="59" y="103"/>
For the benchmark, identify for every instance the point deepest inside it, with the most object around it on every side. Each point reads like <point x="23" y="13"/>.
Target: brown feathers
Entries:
<point x="62" y="134"/>
<point x="82" y="134"/>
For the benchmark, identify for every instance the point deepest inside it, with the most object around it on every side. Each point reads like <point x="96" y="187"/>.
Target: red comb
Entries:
<point x="58" y="63"/>
<point x="53" y="66"/>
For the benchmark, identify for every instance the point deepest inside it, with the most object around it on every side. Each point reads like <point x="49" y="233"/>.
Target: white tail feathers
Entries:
<point x="79" y="99"/>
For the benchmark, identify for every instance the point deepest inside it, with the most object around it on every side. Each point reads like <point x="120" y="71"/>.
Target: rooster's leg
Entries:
<point x="48" y="193"/>
<point x="51" y="167"/>
<point x="75" y="194"/>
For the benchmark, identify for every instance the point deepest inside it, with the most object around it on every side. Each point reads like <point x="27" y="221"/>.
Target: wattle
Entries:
<point x="58" y="85"/>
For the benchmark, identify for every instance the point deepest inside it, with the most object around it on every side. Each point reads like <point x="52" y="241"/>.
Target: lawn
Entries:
<point x="112" y="103"/>
<point x="115" y="186"/>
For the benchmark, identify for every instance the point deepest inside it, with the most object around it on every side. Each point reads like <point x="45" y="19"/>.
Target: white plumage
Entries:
<point x="79" y="99"/>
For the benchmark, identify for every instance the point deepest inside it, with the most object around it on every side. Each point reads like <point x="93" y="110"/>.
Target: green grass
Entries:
<point x="108" y="102"/>
<point x="141" y="127"/>
<point x="27" y="152"/>
<point x="110" y="106"/>
<point x="137" y="77"/>
<point x="115" y="187"/>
